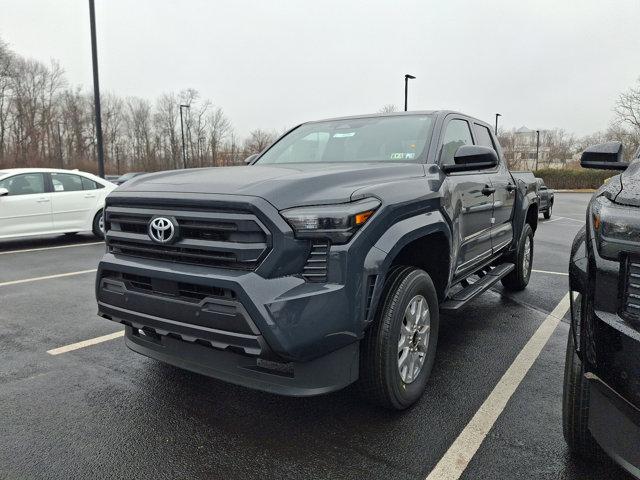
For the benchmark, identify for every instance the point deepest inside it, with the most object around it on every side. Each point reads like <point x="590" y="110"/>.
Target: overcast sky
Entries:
<point x="273" y="64"/>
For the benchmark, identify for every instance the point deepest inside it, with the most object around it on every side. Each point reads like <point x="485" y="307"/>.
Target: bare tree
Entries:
<point x="388" y="108"/>
<point x="627" y="108"/>
<point x="258" y="140"/>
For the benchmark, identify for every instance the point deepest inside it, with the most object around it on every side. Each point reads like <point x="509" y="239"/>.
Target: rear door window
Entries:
<point x="66" y="182"/>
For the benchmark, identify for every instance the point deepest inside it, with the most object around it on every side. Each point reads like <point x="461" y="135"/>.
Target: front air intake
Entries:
<point x="315" y="270"/>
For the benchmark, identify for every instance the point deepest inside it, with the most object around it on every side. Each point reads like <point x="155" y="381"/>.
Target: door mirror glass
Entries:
<point x="604" y="156"/>
<point x="472" y="157"/>
<point x="250" y="159"/>
<point x="3" y="192"/>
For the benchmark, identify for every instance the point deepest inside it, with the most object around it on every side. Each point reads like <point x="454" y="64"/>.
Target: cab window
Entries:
<point x="483" y="136"/>
<point x="456" y="134"/>
<point x="24" y="184"/>
<point x="66" y="182"/>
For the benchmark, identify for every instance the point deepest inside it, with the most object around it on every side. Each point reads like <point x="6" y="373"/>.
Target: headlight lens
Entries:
<point x="337" y="222"/>
<point x="617" y="227"/>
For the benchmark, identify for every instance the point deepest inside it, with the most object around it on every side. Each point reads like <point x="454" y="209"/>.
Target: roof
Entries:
<point x="524" y="129"/>
<point x="14" y="171"/>
<point x="398" y="114"/>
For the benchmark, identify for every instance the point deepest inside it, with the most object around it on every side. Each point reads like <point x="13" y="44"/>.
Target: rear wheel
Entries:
<point x="548" y="211"/>
<point x="518" y="279"/>
<point x="399" y="348"/>
<point x="575" y="406"/>
<point x="98" y="225"/>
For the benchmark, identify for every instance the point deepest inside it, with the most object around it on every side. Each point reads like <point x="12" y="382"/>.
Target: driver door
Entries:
<point x="468" y="201"/>
<point x="26" y="209"/>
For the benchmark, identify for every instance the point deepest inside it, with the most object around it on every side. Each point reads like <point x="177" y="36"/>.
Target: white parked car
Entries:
<point x="46" y="201"/>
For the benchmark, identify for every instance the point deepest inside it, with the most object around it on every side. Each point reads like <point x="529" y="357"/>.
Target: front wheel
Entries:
<point x="518" y="279"/>
<point x="548" y="211"/>
<point x="399" y="348"/>
<point x="98" y="225"/>
<point x="575" y="406"/>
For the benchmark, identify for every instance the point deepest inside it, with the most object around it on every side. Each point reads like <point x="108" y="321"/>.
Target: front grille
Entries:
<point x="631" y="300"/>
<point x="190" y="292"/>
<point x="226" y="239"/>
<point x="315" y="270"/>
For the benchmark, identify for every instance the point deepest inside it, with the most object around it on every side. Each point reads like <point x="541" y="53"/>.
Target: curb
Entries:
<point x="583" y="190"/>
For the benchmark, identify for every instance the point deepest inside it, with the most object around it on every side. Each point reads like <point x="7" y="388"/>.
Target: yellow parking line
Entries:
<point x="85" y="343"/>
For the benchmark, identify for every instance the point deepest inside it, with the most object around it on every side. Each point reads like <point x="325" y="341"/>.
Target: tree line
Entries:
<point x="45" y="122"/>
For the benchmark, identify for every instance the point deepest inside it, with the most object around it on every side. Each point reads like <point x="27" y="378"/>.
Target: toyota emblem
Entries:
<point x="162" y="230"/>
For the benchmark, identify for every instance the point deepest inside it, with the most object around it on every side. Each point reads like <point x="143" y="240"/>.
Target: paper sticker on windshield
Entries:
<point x="343" y="135"/>
<point x="402" y="156"/>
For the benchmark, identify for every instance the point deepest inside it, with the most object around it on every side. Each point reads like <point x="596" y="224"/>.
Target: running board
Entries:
<point x="464" y="296"/>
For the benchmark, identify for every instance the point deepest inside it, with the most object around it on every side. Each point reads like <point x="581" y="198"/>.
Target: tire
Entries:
<point x="383" y="381"/>
<point x="518" y="279"/>
<point x="575" y="406"/>
<point x="97" y="227"/>
<point x="548" y="211"/>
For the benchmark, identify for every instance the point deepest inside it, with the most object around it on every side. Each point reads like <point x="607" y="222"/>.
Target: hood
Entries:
<point x="630" y="183"/>
<point x="282" y="185"/>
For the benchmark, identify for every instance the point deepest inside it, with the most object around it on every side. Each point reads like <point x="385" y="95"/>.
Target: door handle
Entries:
<point x="487" y="190"/>
<point x="42" y="200"/>
<point x="511" y="187"/>
<point x="88" y="195"/>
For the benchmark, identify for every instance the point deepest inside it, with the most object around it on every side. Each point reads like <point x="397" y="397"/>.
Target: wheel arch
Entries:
<point x="423" y="241"/>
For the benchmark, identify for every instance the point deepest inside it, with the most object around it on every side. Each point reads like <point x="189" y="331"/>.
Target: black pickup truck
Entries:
<point x="325" y="261"/>
<point x="601" y="407"/>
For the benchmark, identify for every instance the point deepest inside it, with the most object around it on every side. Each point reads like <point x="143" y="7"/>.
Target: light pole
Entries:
<point x="96" y="88"/>
<point x="184" y="152"/>
<point x="537" y="147"/>
<point x="407" y="77"/>
<point x="496" y="130"/>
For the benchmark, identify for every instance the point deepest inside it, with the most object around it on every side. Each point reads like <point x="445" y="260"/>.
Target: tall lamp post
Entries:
<point x="184" y="151"/>
<point x="496" y="130"/>
<point x="96" y="88"/>
<point x="537" y="147"/>
<point x="407" y="77"/>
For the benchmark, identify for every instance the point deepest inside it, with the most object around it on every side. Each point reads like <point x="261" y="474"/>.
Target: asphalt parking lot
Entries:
<point x="104" y="412"/>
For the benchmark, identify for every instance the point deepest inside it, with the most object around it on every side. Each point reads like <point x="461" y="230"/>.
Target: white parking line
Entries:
<point x="48" y="277"/>
<point x="550" y="272"/>
<point x="39" y="249"/>
<point x="85" y="343"/>
<point x="455" y="461"/>
<point x="565" y="218"/>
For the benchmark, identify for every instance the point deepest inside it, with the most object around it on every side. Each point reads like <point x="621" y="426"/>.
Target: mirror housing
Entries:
<point x="604" y="156"/>
<point x="472" y="157"/>
<point x="249" y="160"/>
<point x="3" y="192"/>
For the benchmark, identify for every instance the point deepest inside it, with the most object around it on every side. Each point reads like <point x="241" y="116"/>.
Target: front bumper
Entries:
<point x="281" y="335"/>
<point x="615" y="424"/>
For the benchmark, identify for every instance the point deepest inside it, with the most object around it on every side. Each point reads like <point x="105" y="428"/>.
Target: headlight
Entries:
<point x="337" y="222"/>
<point x="616" y="227"/>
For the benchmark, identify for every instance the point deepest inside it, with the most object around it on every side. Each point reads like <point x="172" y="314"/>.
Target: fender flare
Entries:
<point x="399" y="235"/>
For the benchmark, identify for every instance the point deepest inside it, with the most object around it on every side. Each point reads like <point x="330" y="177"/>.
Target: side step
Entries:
<point x="464" y="296"/>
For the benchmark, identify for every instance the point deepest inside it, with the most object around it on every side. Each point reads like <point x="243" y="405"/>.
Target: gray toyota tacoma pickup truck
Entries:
<point x="325" y="261"/>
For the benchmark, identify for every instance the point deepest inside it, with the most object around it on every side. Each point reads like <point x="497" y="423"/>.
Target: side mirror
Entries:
<point x="3" y="192"/>
<point x="605" y="156"/>
<point x="250" y="159"/>
<point x="472" y="157"/>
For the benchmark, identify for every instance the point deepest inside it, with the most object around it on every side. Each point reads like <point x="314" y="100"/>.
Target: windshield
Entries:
<point x="377" y="139"/>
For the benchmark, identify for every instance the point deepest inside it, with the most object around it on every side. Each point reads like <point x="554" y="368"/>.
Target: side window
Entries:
<point x="88" y="184"/>
<point x="483" y="136"/>
<point x="457" y="133"/>
<point x="66" y="182"/>
<point x="24" y="184"/>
